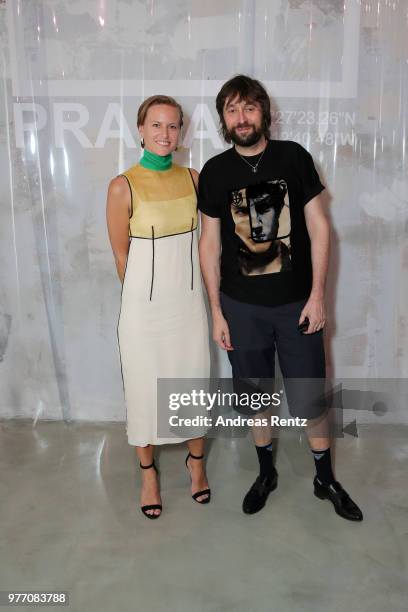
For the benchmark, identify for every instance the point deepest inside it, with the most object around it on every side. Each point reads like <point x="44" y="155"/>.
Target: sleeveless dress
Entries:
<point x="162" y="326"/>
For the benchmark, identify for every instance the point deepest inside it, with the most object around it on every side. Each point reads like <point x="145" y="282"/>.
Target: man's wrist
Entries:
<point x="316" y="294"/>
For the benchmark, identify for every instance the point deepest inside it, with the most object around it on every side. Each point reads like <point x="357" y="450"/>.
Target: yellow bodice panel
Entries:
<point x="164" y="203"/>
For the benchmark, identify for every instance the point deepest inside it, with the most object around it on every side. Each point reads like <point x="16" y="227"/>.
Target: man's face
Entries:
<point x="243" y="120"/>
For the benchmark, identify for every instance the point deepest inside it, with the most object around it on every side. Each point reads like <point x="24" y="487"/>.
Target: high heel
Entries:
<point x="199" y="493"/>
<point x="144" y="509"/>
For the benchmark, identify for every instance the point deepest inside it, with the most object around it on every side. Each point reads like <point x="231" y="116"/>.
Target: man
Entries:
<point x="262" y="214"/>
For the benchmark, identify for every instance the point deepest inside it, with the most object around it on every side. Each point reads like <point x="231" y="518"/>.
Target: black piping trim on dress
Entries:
<point x="151" y="286"/>
<point x="192" y="228"/>
<point x="117" y="335"/>
<point x="191" y="252"/>
<point x="131" y="195"/>
<point x="121" y="367"/>
<point x="192" y="180"/>
<point x="165" y="235"/>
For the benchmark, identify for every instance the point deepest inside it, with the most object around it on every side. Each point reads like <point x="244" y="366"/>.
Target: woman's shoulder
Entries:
<point x="184" y="169"/>
<point x="193" y="173"/>
<point x="118" y="186"/>
<point x="132" y="171"/>
<point x="194" y="176"/>
<point x="185" y="172"/>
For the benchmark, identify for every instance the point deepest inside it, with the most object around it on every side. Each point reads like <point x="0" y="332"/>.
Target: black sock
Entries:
<point x="265" y="460"/>
<point x="324" y="471"/>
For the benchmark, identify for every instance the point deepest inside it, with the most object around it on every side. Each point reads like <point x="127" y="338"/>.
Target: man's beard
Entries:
<point x="246" y="141"/>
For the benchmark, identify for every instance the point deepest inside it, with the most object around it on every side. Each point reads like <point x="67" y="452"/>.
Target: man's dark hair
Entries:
<point x="246" y="89"/>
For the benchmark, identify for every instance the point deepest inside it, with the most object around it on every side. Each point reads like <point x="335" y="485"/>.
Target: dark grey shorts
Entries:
<point x="257" y="332"/>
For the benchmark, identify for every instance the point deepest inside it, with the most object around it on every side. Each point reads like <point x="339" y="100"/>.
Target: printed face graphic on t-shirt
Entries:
<point x="262" y="223"/>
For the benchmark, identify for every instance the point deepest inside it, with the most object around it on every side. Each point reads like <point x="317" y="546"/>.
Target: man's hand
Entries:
<point x="314" y="310"/>
<point x="221" y="333"/>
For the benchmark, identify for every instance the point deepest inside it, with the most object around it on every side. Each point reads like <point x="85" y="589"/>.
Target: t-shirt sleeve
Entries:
<point x="208" y="199"/>
<point x="311" y="184"/>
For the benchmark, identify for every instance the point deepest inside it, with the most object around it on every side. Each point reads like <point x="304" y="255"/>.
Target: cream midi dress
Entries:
<point x="162" y="327"/>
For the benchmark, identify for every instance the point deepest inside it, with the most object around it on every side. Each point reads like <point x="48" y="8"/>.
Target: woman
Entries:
<point x="162" y="328"/>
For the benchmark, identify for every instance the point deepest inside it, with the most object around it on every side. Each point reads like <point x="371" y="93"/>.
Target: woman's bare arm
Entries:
<point x="210" y="251"/>
<point x="118" y="210"/>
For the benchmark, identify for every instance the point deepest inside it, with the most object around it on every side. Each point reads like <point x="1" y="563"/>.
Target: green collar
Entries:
<point x="152" y="161"/>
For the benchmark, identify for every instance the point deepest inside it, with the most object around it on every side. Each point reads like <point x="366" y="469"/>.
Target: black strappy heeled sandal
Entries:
<point x="199" y="493"/>
<point x="144" y="509"/>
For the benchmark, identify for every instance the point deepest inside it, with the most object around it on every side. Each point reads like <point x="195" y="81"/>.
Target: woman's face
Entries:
<point x="161" y="129"/>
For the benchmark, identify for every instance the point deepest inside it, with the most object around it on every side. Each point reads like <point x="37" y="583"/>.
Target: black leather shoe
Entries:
<point x="257" y="495"/>
<point x="342" y="502"/>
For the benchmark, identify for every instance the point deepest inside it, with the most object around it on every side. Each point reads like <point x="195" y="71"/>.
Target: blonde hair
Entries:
<point x="154" y="101"/>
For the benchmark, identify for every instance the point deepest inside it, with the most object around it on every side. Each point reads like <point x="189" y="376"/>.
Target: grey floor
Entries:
<point x="70" y="520"/>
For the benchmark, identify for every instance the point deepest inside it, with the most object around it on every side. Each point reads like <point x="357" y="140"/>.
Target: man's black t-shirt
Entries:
<point x="266" y="257"/>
